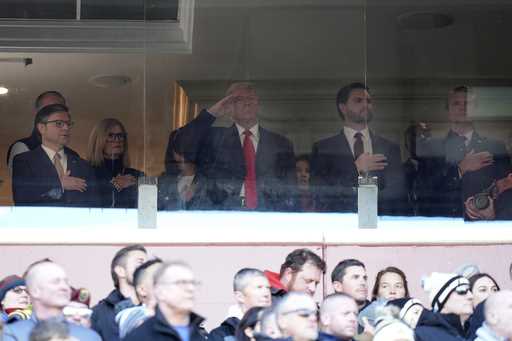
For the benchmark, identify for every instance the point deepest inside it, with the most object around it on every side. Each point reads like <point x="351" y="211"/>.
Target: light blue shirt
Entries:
<point x="20" y="331"/>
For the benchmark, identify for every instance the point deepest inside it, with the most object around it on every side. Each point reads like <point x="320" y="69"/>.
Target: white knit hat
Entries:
<point x="439" y="287"/>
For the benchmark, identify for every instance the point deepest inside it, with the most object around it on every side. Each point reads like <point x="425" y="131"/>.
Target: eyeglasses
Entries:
<point x="61" y="123"/>
<point x="184" y="282"/>
<point x="305" y="313"/>
<point x="463" y="290"/>
<point x="19" y="290"/>
<point x="116" y="137"/>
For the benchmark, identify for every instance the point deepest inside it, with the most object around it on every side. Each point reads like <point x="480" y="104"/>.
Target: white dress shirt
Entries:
<point x="255" y="138"/>
<point x="367" y="141"/>
<point x="63" y="158"/>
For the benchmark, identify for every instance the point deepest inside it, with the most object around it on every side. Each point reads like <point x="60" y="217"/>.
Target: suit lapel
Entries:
<point x="47" y="169"/>
<point x="234" y="146"/>
<point x="262" y="154"/>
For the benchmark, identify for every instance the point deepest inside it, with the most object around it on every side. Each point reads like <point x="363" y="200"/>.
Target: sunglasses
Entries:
<point x="305" y="313"/>
<point x="462" y="290"/>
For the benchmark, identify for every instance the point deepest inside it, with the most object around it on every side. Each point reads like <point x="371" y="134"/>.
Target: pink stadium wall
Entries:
<point x="214" y="265"/>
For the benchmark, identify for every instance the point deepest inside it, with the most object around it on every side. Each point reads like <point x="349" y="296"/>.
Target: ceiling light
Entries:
<point x="3" y="90"/>
<point x="425" y="20"/>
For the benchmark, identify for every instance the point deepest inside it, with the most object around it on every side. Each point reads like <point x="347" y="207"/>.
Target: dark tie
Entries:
<point x="358" y="145"/>
<point x="251" y="196"/>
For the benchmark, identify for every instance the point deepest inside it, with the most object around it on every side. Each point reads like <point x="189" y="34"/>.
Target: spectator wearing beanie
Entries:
<point x="451" y="301"/>
<point x="411" y="310"/>
<point x="14" y="299"/>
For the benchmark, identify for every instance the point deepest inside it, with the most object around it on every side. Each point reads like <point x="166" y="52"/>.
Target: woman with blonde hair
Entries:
<point x="108" y="155"/>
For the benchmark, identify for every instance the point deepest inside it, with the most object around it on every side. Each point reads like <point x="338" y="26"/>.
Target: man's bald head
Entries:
<point x="338" y="316"/>
<point x="48" y="286"/>
<point x="35" y="270"/>
<point x="498" y="313"/>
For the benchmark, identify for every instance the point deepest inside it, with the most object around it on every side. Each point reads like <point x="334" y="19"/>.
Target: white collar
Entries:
<point x="254" y="130"/>
<point x="51" y="153"/>
<point x="351" y="132"/>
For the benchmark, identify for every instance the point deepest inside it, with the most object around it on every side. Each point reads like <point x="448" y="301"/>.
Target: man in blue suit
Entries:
<point x="52" y="174"/>
<point x="245" y="166"/>
<point x="337" y="161"/>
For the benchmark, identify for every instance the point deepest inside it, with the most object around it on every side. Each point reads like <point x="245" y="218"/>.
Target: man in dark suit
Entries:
<point x="460" y="165"/>
<point x="245" y="165"/>
<point x="338" y="161"/>
<point x="52" y="174"/>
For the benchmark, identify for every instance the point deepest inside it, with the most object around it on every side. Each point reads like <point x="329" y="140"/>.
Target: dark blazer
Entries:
<point x="35" y="181"/>
<point x="334" y="176"/>
<point x="108" y="195"/>
<point x="157" y="328"/>
<point x="443" y="191"/>
<point x="219" y="157"/>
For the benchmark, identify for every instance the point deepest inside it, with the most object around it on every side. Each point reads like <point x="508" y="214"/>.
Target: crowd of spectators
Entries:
<point x="247" y="167"/>
<point x="154" y="299"/>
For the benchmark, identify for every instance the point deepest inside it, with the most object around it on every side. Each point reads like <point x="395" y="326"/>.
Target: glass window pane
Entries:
<point x="38" y="9"/>
<point x="130" y="9"/>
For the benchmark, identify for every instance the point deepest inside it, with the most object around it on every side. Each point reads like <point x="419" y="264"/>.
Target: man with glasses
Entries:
<point x="34" y="140"/>
<point x="52" y="174"/>
<point x="296" y="316"/>
<point x="175" y="289"/>
<point x="14" y="299"/>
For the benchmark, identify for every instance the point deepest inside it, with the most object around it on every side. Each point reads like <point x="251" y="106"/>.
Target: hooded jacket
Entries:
<point x="226" y="329"/>
<point x="439" y="327"/>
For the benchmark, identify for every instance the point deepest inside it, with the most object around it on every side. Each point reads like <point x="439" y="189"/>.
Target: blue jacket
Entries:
<point x="157" y="328"/>
<point x="20" y="331"/>
<point x="484" y="333"/>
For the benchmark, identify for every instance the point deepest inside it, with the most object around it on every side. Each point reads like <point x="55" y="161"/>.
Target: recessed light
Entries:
<point x="3" y="90"/>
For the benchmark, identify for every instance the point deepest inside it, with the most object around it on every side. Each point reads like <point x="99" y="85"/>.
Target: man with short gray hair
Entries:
<point x="251" y="289"/>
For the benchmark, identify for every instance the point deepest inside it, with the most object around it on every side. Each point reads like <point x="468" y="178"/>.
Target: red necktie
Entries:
<point x="251" y="196"/>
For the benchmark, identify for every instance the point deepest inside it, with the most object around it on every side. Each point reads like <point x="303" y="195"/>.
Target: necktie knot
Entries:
<point x="247" y="133"/>
<point x="358" y="135"/>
